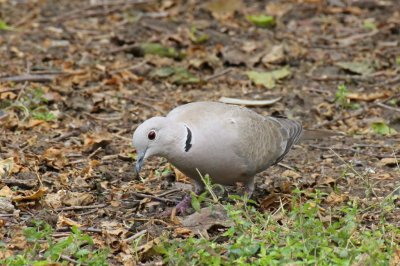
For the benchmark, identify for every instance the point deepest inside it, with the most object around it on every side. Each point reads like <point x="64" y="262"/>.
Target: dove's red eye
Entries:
<point x="151" y="135"/>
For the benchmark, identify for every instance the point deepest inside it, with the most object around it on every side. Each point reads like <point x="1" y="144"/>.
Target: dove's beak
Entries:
<point x="139" y="161"/>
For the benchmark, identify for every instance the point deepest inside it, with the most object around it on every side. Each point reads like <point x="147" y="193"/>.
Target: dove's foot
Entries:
<point x="181" y="207"/>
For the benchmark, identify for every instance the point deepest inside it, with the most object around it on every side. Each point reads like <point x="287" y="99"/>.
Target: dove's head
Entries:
<point x="157" y="136"/>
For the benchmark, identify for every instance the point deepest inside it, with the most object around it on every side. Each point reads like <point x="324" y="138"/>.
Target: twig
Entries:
<point x="357" y="173"/>
<point x="147" y="104"/>
<point x="124" y="48"/>
<point x="135" y="236"/>
<point x="81" y="207"/>
<point x="338" y="77"/>
<point x="67" y="135"/>
<point x="30" y="77"/>
<point x="388" y="107"/>
<point x="83" y="229"/>
<point x="351" y="150"/>
<point x="22" y="90"/>
<point x="6" y="215"/>
<point x="168" y="192"/>
<point x="9" y="90"/>
<point x="140" y="195"/>
<point x="287" y="166"/>
<point x="64" y="257"/>
<point x="95" y="152"/>
<point x="117" y="5"/>
<point x="217" y="75"/>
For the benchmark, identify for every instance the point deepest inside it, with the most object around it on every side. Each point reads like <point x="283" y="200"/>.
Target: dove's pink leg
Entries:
<point x="185" y="203"/>
<point x="249" y="187"/>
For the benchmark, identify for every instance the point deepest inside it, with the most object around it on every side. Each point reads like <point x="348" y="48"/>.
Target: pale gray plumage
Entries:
<point x="230" y="143"/>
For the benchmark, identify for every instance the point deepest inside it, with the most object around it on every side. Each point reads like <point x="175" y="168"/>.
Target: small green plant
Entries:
<point x="32" y="104"/>
<point x="342" y="100"/>
<point x="297" y="236"/>
<point x="382" y="128"/>
<point x="369" y="24"/>
<point x="4" y="25"/>
<point x="197" y="37"/>
<point x="43" y="250"/>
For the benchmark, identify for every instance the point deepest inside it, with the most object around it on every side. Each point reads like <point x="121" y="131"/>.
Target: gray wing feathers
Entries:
<point x="291" y="130"/>
<point x="264" y="141"/>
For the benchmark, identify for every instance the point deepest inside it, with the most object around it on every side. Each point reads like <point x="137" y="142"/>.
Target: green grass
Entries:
<point x="302" y="235"/>
<point x="342" y="100"/>
<point x="31" y="104"/>
<point x="41" y="249"/>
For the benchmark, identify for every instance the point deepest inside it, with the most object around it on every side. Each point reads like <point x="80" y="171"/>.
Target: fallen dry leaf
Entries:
<point x="391" y="162"/>
<point x="206" y="218"/>
<point x="64" y="221"/>
<point x="6" y="192"/>
<point x="6" y="205"/>
<point x="29" y="195"/>
<point x="5" y="166"/>
<point x="291" y="174"/>
<point x="335" y="198"/>
<point x="55" y="157"/>
<point x="368" y="97"/>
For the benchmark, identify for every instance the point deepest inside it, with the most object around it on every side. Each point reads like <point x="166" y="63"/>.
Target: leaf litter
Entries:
<point x="78" y="77"/>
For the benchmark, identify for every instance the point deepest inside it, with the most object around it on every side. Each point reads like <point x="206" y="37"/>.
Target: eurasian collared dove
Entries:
<point x="230" y="143"/>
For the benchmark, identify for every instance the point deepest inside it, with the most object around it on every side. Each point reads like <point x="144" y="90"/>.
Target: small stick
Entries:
<point x="217" y="75"/>
<point x="6" y="215"/>
<point x="81" y="207"/>
<point x="140" y="195"/>
<point x="95" y="152"/>
<point x="84" y="229"/>
<point x="388" y="107"/>
<point x="168" y="192"/>
<point x="64" y="257"/>
<point x="9" y="90"/>
<point x="30" y="77"/>
<point x="287" y="166"/>
<point x="135" y="236"/>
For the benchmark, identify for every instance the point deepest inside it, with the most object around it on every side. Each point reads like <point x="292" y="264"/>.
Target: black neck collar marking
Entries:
<point x="188" y="143"/>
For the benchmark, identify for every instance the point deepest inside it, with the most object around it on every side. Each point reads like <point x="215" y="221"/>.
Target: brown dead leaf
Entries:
<point x="291" y="174"/>
<point x="326" y="180"/>
<point x="113" y="228"/>
<point x="385" y="176"/>
<point x="274" y="56"/>
<point x="6" y="166"/>
<point x="6" y="205"/>
<point x="206" y="218"/>
<point x="69" y="198"/>
<point x="222" y="9"/>
<point x="395" y="259"/>
<point x="183" y="231"/>
<point x="235" y="57"/>
<point x="29" y="195"/>
<point x="335" y="199"/>
<point x="64" y="221"/>
<point x="391" y="162"/>
<point x="55" y="158"/>
<point x="18" y="241"/>
<point x="368" y="97"/>
<point x="6" y="192"/>
<point x="278" y="8"/>
<point x="268" y="201"/>
<point x="93" y="141"/>
<point x="33" y="123"/>
<point x="77" y="198"/>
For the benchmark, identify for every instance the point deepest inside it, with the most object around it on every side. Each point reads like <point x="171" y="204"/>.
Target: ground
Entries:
<point x="77" y="77"/>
